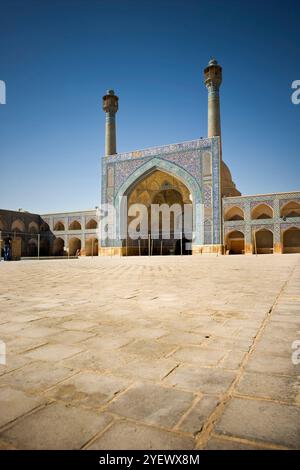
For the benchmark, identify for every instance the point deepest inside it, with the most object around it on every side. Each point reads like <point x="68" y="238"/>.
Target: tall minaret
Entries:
<point x="110" y="106"/>
<point x="213" y="80"/>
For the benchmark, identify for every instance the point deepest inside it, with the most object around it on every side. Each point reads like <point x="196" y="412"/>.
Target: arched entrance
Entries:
<point x="263" y="241"/>
<point x="156" y="204"/>
<point x="91" y="247"/>
<point x="58" y="247"/>
<point x="74" y="246"/>
<point x="138" y="175"/>
<point x="291" y="240"/>
<point x="235" y="243"/>
<point x="18" y="228"/>
<point x="32" y="248"/>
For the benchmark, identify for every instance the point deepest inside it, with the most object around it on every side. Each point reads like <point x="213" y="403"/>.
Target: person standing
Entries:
<point x="7" y="248"/>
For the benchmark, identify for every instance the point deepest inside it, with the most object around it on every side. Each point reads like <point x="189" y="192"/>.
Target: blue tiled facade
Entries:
<point x="277" y="224"/>
<point x="186" y="161"/>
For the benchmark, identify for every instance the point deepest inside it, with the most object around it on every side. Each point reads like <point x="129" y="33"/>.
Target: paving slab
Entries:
<point x="148" y="349"/>
<point x="145" y="368"/>
<point x="200" y="356"/>
<point x="201" y="379"/>
<point x="125" y="435"/>
<point x="15" y="403"/>
<point x="198" y="415"/>
<point x="56" y="427"/>
<point x="152" y="404"/>
<point x="273" y="364"/>
<point x="35" y="377"/>
<point x="53" y="352"/>
<point x="88" y="389"/>
<point x="286" y="389"/>
<point x="263" y="421"/>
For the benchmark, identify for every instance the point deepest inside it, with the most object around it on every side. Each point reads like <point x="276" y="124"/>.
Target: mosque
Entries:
<point x="194" y="173"/>
<point x="190" y="174"/>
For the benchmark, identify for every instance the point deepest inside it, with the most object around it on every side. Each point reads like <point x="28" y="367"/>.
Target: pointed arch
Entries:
<point x="262" y="211"/>
<point x="33" y="227"/>
<point x="291" y="240"/>
<point x="75" y="225"/>
<point x="18" y="226"/>
<point x="264" y="241"/>
<point x="174" y="170"/>
<point x="290" y="209"/>
<point x="234" y="213"/>
<point x="32" y="247"/>
<point x="91" y="246"/>
<point x="235" y="242"/>
<point x="74" y="246"/>
<point x="59" y="226"/>
<point x="3" y="224"/>
<point x="58" y="247"/>
<point x="91" y="224"/>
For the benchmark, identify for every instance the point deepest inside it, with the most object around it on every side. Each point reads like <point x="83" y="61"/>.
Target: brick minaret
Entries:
<point x="110" y="106"/>
<point x="213" y="80"/>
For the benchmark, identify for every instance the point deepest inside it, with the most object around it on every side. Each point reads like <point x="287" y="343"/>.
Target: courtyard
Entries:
<point x="191" y="352"/>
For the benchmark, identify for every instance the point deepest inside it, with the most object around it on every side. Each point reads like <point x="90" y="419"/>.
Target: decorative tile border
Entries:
<point x="239" y="228"/>
<point x="162" y="150"/>
<point x="285" y="201"/>
<point x="256" y="227"/>
<point x="267" y="202"/>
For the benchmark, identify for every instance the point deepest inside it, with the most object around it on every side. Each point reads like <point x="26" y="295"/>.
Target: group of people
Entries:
<point x="7" y="249"/>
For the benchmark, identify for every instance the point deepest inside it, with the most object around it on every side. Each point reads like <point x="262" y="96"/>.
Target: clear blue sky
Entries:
<point x="58" y="57"/>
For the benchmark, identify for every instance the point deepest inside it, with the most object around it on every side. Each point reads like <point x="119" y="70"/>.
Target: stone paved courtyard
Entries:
<point x="150" y="353"/>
